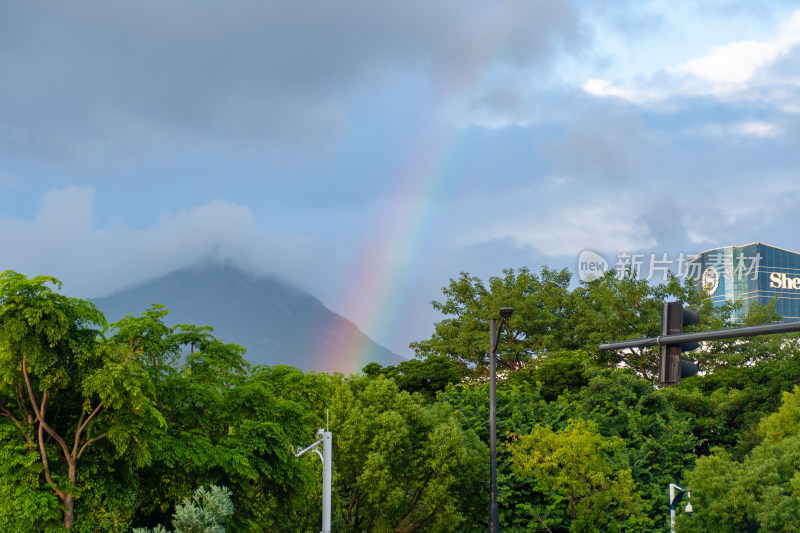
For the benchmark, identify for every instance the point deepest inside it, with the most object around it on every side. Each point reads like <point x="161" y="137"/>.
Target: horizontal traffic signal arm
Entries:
<point x="711" y="335"/>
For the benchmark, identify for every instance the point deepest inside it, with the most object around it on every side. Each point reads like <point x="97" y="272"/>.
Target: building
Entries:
<point x="754" y="272"/>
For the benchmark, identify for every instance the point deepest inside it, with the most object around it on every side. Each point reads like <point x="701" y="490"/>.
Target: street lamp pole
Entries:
<point x="494" y="339"/>
<point x="494" y="525"/>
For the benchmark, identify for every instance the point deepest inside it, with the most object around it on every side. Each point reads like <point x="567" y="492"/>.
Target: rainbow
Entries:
<point x="387" y="255"/>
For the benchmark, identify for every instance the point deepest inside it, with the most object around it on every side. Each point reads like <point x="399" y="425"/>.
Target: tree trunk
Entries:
<point x="69" y="513"/>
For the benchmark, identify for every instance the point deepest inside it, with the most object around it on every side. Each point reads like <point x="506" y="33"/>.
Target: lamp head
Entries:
<point x="689" y="508"/>
<point x="506" y="312"/>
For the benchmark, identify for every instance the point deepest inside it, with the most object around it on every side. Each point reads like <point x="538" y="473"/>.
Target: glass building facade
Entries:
<point x="753" y="272"/>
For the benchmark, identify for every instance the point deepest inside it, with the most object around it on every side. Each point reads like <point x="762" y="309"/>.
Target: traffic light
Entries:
<point x="671" y="368"/>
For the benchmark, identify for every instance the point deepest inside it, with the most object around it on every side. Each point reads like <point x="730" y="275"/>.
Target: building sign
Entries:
<point x="755" y="272"/>
<point x="710" y="280"/>
<point x="779" y="280"/>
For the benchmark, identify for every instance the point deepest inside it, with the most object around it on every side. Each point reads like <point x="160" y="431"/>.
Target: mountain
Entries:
<point x="277" y="323"/>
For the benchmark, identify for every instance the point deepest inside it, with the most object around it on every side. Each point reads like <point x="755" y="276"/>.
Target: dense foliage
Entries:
<point x="111" y="427"/>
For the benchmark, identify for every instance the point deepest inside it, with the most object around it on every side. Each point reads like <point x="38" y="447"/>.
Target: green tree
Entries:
<point x="724" y="408"/>
<point x="558" y="373"/>
<point x="151" y="340"/>
<point x="400" y="463"/>
<point x="205" y="512"/>
<point x="225" y="424"/>
<point x="732" y="353"/>
<point x="759" y="493"/>
<point x="615" y="308"/>
<point x="230" y="426"/>
<point x="426" y="376"/>
<point x="550" y="318"/>
<point x="520" y="407"/>
<point x="658" y="440"/>
<point x="65" y="390"/>
<point x="275" y="408"/>
<point x="581" y="481"/>
<point x="540" y="322"/>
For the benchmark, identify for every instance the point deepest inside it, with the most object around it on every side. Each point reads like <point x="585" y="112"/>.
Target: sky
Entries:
<point x="368" y="152"/>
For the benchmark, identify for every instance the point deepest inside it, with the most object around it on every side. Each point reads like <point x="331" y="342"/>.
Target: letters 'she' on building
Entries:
<point x="755" y="272"/>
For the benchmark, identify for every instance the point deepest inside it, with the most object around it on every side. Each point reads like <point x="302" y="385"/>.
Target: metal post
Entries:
<point x="326" y="439"/>
<point x="703" y="336"/>
<point x="494" y="524"/>
<point x="672" y="507"/>
<point x="327" y="456"/>
<point x="675" y="496"/>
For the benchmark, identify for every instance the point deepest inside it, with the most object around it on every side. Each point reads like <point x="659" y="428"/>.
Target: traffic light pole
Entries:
<point x="711" y="335"/>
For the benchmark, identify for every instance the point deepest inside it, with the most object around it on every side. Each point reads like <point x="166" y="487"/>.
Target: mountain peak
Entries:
<point x="275" y="322"/>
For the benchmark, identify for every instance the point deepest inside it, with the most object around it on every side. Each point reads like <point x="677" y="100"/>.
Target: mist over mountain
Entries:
<point x="277" y="323"/>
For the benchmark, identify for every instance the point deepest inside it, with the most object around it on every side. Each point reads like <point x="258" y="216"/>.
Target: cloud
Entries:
<point x="755" y="129"/>
<point x="733" y="64"/>
<point x="89" y="76"/>
<point x="598" y="87"/>
<point x="603" y="227"/>
<point x="610" y="144"/>
<point x="763" y="71"/>
<point x="740" y="216"/>
<point x="549" y="220"/>
<point x="63" y="240"/>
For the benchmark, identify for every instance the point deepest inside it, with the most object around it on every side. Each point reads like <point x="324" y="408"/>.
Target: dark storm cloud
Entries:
<point x="92" y="72"/>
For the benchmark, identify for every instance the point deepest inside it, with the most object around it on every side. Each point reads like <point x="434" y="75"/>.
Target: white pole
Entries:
<point x="327" y="463"/>
<point x="676" y="493"/>
<point x="671" y="507"/>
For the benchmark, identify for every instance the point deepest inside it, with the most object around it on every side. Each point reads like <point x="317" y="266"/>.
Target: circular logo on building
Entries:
<point x="710" y="280"/>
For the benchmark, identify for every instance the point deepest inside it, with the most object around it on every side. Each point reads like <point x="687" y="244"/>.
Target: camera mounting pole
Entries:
<point x="326" y="439"/>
